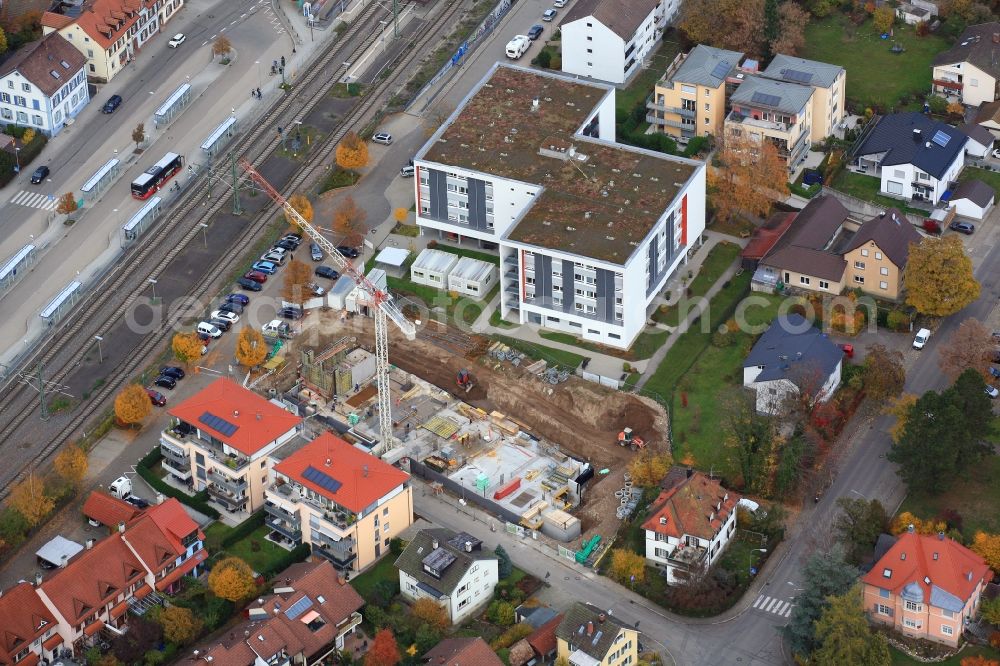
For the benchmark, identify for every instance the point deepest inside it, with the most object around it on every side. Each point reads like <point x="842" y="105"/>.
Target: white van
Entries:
<point x="277" y="329"/>
<point x="517" y="46"/>
<point x="209" y="330"/>
<point x="921" y="338"/>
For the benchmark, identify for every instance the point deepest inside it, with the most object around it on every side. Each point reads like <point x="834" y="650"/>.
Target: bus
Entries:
<point x="153" y="178"/>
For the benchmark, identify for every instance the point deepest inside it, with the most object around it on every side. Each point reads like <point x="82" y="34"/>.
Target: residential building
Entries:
<point x="543" y="640"/>
<point x="451" y="569"/>
<point x="306" y="618"/>
<point x="776" y="111"/>
<point x="110" y="32"/>
<point x="588" y="636"/>
<point x="988" y="116"/>
<point x="589" y="230"/>
<point x="344" y="502"/>
<point x="792" y="357"/>
<point x="43" y="85"/>
<point x="926" y="586"/>
<point x="875" y="257"/>
<point x="979" y="141"/>
<point x="973" y="199"/>
<point x="220" y="441"/>
<point x="29" y="633"/>
<point x="462" y="652"/>
<point x="969" y="70"/>
<point x="689" y="527"/>
<point x="913" y="156"/>
<point x="608" y="39"/>
<point x="168" y="543"/>
<point x="828" y="83"/>
<point x="690" y="99"/>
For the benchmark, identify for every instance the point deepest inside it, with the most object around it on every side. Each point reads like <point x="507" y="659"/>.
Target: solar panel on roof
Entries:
<point x="720" y="70"/>
<point x="796" y="75"/>
<point x="218" y="424"/>
<point x="298" y="608"/>
<point x="438" y="560"/>
<point x="941" y="138"/>
<point x="321" y="479"/>
<point x="766" y="99"/>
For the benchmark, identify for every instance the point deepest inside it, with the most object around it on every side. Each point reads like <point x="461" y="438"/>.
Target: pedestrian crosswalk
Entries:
<point x="773" y="605"/>
<point x="34" y="200"/>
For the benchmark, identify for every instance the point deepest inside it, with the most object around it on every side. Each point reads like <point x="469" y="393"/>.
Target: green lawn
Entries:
<point x="900" y="659"/>
<point x="465" y="252"/>
<point x="991" y="178"/>
<point x="718" y="260"/>
<point x="550" y="354"/>
<point x="384" y="569"/>
<point x="867" y="188"/>
<point x="975" y="498"/>
<point x="875" y="75"/>
<point x="642" y="85"/>
<point x="257" y="551"/>
<point x="644" y="346"/>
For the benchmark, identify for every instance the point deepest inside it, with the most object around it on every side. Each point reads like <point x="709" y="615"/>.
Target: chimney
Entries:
<point x="935" y="557"/>
<point x="916" y="135"/>
<point x="468" y="546"/>
<point x="160" y="498"/>
<point x="65" y="559"/>
<point x="121" y="527"/>
<point x="910" y="528"/>
<point x="236" y="412"/>
<point x="434" y="544"/>
<point x="364" y="471"/>
<point x="327" y="462"/>
<point x="197" y="652"/>
<point x="601" y="618"/>
<point x="90" y="544"/>
<point x="38" y="579"/>
<point x="968" y="576"/>
<point x="940" y="536"/>
<point x="259" y="416"/>
<point x="590" y="628"/>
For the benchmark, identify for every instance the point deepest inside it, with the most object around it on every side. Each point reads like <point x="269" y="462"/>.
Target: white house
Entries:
<point x="789" y="357"/>
<point x="979" y="142"/>
<point x="689" y="527"/>
<point x="916" y="11"/>
<point x="913" y="156"/>
<point x="588" y="230"/>
<point x="970" y="70"/>
<point x="608" y="39"/>
<point x="432" y="268"/>
<point x="472" y="277"/>
<point x="43" y="85"/>
<point x="973" y="199"/>
<point x="450" y="568"/>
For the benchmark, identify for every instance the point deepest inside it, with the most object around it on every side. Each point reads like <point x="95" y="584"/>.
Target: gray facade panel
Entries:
<point x="568" y="293"/>
<point x="477" y="204"/>
<point x="654" y="263"/>
<point x="605" y="296"/>
<point x="437" y="199"/>
<point x="543" y="280"/>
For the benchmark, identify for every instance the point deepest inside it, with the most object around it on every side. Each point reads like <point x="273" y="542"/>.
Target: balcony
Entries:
<point x="347" y="625"/>
<point x="280" y="512"/>
<point x="236" y="486"/>
<point x="179" y="470"/>
<point x="687" y="129"/>
<point x="340" y="553"/>
<point x="228" y="498"/>
<point x="211" y="448"/>
<point x="288" y="530"/>
<point x="171" y="452"/>
<point x="948" y="84"/>
<point x="740" y="119"/>
<point x="329" y="513"/>
<point x="691" y="558"/>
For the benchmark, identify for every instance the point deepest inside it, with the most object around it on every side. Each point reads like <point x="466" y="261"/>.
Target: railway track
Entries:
<point x="105" y="306"/>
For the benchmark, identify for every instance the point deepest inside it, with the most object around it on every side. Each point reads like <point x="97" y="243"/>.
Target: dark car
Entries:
<point x="290" y="313"/>
<point x="221" y="324"/>
<point x="172" y="371"/>
<point x="289" y="245"/>
<point x="256" y="276"/>
<point x="166" y="382"/>
<point x="137" y="502"/>
<point x="156" y="397"/>
<point x="291" y="239"/>
<point x="242" y="299"/>
<point x="535" y="31"/>
<point x="995" y="372"/>
<point x="962" y="227"/>
<point x="327" y="272"/>
<point x="812" y="178"/>
<point x="112" y="104"/>
<point x="229" y="306"/>
<point x="348" y="251"/>
<point x="40" y="174"/>
<point x="248" y="284"/>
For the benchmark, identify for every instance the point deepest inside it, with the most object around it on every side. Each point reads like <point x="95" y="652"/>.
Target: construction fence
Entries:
<point x="421" y="470"/>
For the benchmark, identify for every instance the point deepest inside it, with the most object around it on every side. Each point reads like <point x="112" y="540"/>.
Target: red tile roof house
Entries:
<point x="926" y="586"/>
<point x="690" y="526"/>
<point x="308" y="616"/>
<point x="94" y="591"/>
<point x="27" y="628"/>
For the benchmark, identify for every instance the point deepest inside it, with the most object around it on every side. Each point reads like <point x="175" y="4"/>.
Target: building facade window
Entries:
<point x="912" y="606"/>
<point x="947" y="630"/>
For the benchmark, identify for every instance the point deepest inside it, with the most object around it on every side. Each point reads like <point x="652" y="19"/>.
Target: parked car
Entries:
<point x="535" y="31"/>
<point x="315" y="252"/>
<point x="248" y="284"/>
<point x="920" y="339"/>
<point x="991" y="391"/>
<point x="327" y="272"/>
<point x="156" y="397"/>
<point x="348" y="251"/>
<point x="40" y="174"/>
<point x="382" y="137"/>
<point x="256" y="276"/>
<point x="995" y="372"/>
<point x="407" y="171"/>
<point x="289" y="245"/>
<point x="275" y="256"/>
<point x="222" y="324"/>
<point x="231" y="317"/>
<point x="292" y="236"/>
<point x="268" y="267"/>
<point x="315" y="289"/>
<point x="290" y="313"/>
<point x="166" y="382"/>
<point x="235" y="308"/>
<point x="177" y="40"/>
<point x="966" y="228"/>
<point x="112" y="104"/>
<point x="559" y="4"/>
<point x="172" y="371"/>
<point x="549" y="14"/>
<point x="238" y="298"/>
<point x="996" y="153"/>
<point x="205" y="328"/>
<point x="137" y="502"/>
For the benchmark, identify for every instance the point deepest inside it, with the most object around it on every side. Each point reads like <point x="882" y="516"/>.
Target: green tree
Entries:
<point x="544" y="58"/>
<point x="504" y="564"/>
<point x="772" y="26"/>
<point x="750" y="439"/>
<point x="825" y="574"/>
<point x="426" y="637"/>
<point x="884" y="373"/>
<point x="990" y="609"/>
<point x="937" y="104"/>
<point x="3" y="42"/>
<point x="938" y="278"/>
<point x="969" y="397"/>
<point x="845" y="637"/>
<point x="858" y="525"/>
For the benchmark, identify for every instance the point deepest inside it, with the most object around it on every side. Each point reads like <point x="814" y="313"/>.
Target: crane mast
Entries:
<point x="385" y="309"/>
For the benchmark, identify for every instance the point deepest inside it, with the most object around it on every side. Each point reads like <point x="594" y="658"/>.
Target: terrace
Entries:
<point x="599" y="200"/>
<point x="213" y="448"/>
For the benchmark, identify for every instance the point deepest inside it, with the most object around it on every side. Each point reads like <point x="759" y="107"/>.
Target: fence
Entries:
<point x="601" y="379"/>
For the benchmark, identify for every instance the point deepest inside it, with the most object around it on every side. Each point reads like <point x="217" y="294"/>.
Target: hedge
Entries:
<point x="296" y="555"/>
<point x="25" y="156"/>
<point x="198" y="502"/>
<point x="244" y="529"/>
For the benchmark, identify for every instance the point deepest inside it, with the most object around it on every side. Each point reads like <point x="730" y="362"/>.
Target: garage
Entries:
<point x="973" y="199"/>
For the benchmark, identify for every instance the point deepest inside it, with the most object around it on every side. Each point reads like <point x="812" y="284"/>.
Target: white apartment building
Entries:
<point x="43" y="85"/>
<point x="588" y="230"/>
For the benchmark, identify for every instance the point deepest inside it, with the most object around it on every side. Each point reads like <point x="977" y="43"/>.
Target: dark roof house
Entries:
<point x="707" y="66"/>
<point x="805" y="245"/>
<point x="891" y="232"/>
<point x="793" y="349"/>
<point x="976" y="46"/>
<point x="799" y="70"/>
<point x="589" y="629"/>
<point x="912" y="138"/>
<point x="622" y="17"/>
<point x="438" y="559"/>
<point x="975" y="191"/>
<point x="977" y="133"/>
<point x="48" y="63"/>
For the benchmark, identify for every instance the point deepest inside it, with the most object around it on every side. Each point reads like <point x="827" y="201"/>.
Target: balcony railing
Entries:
<point x="281" y="527"/>
<point x="950" y="85"/>
<point x="171" y="452"/>
<point x="237" y="486"/>
<point x="280" y="512"/>
<point x="227" y="497"/>
<point x="338" y="558"/>
<point x="688" y="557"/>
<point x="179" y="470"/>
<point x="684" y="127"/>
<point x="342" y="519"/>
<point x="352" y="621"/>
<point x="212" y="449"/>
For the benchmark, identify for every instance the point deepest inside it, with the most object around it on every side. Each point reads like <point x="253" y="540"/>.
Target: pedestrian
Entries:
<point x="259" y="96"/>
<point x="253" y="93"/>
<point x="293" y="50"/>
<point x="282" y="61"/>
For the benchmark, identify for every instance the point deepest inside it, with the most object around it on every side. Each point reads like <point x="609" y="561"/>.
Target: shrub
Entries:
<point x="897" y="320"/>
<point x="931" y="226"/>
<point x="545" y="59"/>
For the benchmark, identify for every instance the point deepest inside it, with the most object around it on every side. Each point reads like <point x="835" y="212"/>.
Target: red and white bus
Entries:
<point x="153" y="178"/>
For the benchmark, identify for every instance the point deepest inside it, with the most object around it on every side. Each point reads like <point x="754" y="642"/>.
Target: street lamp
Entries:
<point x="17" y="159"/>
<point x="100" y="356"/>
<point x="204" y="232"/>
<point x="384" y="23"/>
<point x="750" y="557"/>
<point x="257" y="62"/>
<point x="152" y="283"/>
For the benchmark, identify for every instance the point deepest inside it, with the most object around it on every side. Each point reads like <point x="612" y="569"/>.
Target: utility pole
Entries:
<point x="395" y="19"/>
<point x="44" y="408"/>
<point x="237" y="209"/>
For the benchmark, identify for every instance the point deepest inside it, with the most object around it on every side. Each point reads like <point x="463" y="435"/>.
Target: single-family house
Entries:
<point x="980" y="140"/>
<point x="690" y="99"/>
<point x="689" y="527"/>
<point x="450" y="568"/>
<point x="589" y="636"/>
<point x="927" y="586"/>
<point x="828" y="83"/>
<point x="432" y="267"/>
<point x="608" y="39"/>
<point x="543" y="640"/>
<point x="970" y="70"/>
<point x="29" y="632"/>
<point x="988" y="116"/>
<point x="764" y="109"/>
<point x="306" y="618"/>
<point x="462" y="652"/>
<point x="875" y="257"/>
<point x="472" y="277"/>
<point x="973" y="198"/>
<point x="43" y="85"/>
<point x="792" y="356"/>
<point x="914" y="156"/>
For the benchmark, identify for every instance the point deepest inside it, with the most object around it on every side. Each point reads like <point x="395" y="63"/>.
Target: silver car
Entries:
<point x="383" y="137"/>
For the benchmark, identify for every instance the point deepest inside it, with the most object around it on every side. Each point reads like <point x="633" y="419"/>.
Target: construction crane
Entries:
<point x="385" y="309"/>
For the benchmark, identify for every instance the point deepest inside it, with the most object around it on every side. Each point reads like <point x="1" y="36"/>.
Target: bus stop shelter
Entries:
<point x="141" y="221"/>
<point x="61" y="304"/>
<point x="218" y="139"/>
<point x="14" y="268"/>
<point x="173" y="106"/>
<point x="101" y="179"/>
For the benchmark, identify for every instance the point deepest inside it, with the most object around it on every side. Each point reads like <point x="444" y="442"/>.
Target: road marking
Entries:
<point x="33" y="200"/>
<point x="773" y="605"/>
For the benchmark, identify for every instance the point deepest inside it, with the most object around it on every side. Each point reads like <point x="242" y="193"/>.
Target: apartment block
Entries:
<point x="220" y="440"/>
<point x="828" y="84"/>
<point x="344" y="502"/>
<point x="774" y="111"/>
<point x="690" y="99"/>
<point x="588" y="230"/>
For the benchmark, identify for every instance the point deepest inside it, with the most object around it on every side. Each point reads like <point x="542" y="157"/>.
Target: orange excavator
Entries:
<point x="627" y="438"/>
<point x="464" y="380"/>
